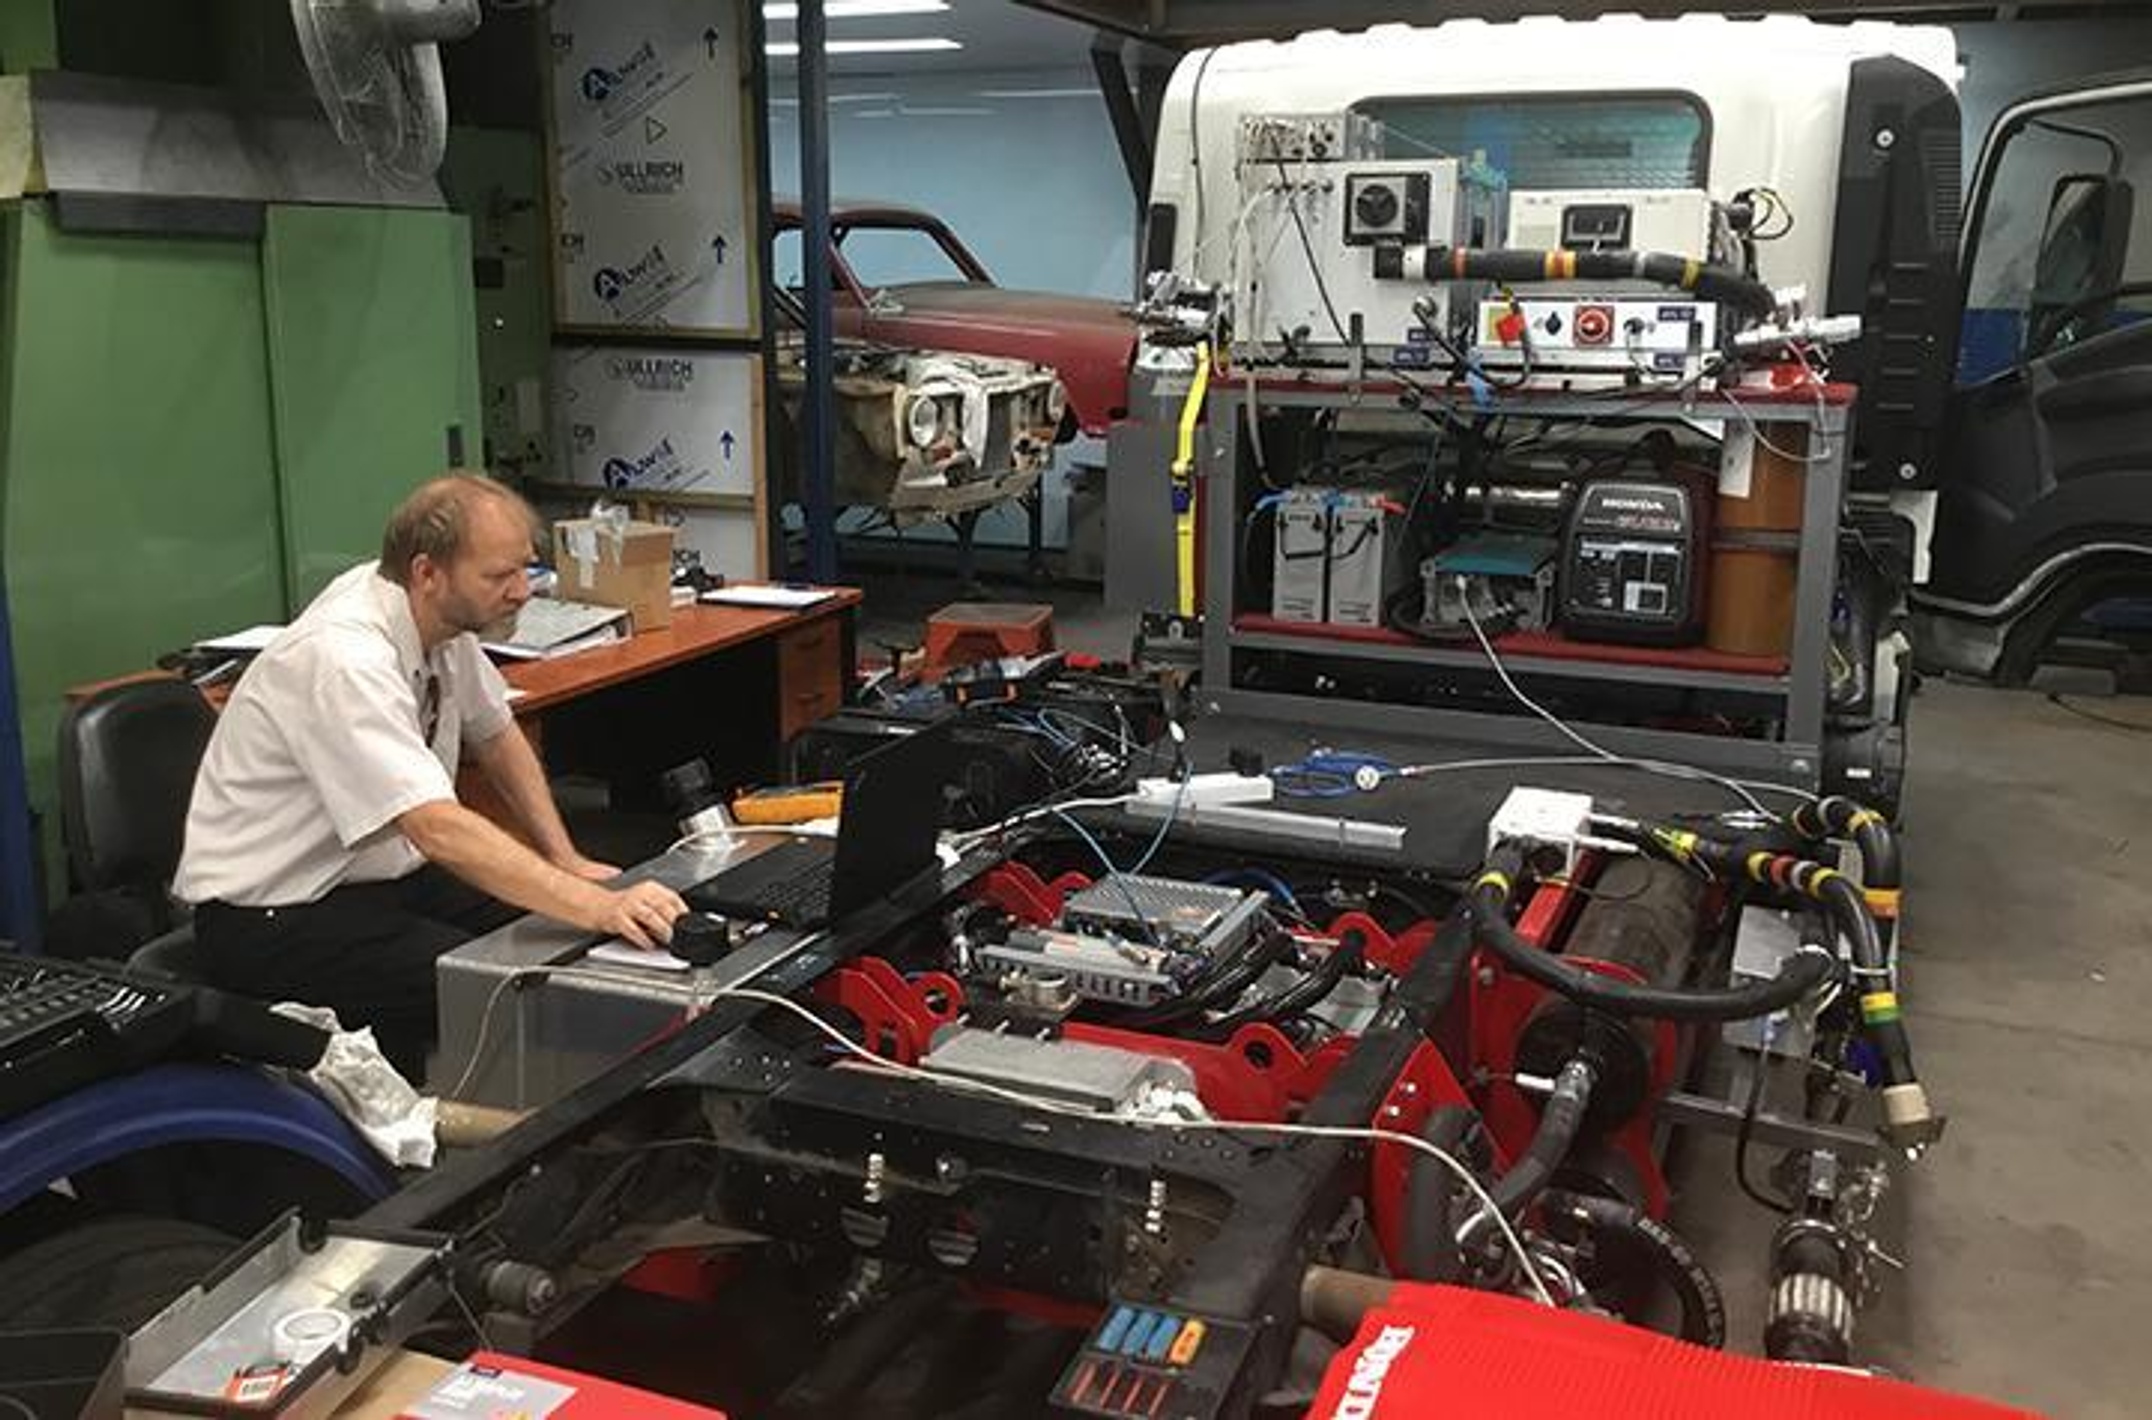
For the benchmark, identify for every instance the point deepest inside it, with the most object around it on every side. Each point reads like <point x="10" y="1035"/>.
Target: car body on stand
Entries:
<point x="923" y="434"/>
<point x="1089" y="341"/>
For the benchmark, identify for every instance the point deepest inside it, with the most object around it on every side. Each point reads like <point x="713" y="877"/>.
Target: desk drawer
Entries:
<point x="810" y="676"/>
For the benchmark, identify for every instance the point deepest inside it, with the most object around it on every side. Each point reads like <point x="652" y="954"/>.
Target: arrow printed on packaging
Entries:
<point x="717" y="245"/>
<point x="653" y="130"/>
<point x="709" y="40"/>
<point x="727" y="441"/>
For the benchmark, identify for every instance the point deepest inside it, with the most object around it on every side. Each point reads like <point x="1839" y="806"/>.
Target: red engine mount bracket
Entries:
<point x="1425" y="1085"/>
<point x="898" y="1016"/>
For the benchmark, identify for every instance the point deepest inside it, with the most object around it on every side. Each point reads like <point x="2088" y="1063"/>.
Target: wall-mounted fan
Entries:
<point x="376" y="65"/>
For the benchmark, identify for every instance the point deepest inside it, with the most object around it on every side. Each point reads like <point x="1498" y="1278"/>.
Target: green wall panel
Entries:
<point x="137" y="480"/>
<point x="496" y="178"/>
<point x="29" y="36"/>
<point x="373" y="358"/>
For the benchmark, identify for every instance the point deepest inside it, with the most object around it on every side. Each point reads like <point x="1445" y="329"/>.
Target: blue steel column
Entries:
<point x="818" y="409"/>
<point x="20" y="919"/>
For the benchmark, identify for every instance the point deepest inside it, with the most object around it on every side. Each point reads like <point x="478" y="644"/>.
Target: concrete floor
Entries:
<point x="2027" y="973"/>
<point x="2027" y="978"/>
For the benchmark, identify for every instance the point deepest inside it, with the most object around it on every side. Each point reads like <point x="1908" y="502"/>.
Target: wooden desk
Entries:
<point x="732" y="685"/>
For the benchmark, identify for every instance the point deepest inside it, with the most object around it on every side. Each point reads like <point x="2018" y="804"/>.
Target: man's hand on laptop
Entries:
<point x="641" y="913"/>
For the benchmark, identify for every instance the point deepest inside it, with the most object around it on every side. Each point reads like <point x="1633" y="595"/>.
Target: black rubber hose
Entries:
<point x="1488" y="907"/>
<point x="1430" y="1241"/>
<point x="1703" y="1307"/>
<point x="1219" y="989"/>
<point x="1561" y="1118"/>
<point x="1305" y="994"/>
<point x="1520" y="266"/>
<point x="1837" y="816"/>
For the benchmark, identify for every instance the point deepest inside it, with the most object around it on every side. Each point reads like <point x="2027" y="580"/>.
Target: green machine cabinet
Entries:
<point x="197" y="433"/>
<point x="373" y="373"/>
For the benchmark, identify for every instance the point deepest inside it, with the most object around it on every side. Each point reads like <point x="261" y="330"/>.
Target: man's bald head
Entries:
<point x="436" y="521"/>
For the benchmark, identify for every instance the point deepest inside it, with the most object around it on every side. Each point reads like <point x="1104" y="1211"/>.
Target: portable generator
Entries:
<point x="1633" y="562"/>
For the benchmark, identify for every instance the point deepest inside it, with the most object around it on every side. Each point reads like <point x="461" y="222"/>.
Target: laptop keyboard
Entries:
<point x="804" y="895"/>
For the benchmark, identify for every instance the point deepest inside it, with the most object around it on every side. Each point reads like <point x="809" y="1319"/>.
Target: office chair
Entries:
<point x="128" y="755"/>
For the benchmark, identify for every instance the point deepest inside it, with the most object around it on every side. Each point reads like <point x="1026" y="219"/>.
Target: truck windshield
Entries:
<point x="1557" y="141"/>
<point x="2056" y="259"/>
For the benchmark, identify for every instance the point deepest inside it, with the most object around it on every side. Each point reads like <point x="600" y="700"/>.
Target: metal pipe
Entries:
<point x="818" y="404"/>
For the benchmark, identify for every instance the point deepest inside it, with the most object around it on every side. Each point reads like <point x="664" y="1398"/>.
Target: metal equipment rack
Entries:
<point x="1792" y="691"/>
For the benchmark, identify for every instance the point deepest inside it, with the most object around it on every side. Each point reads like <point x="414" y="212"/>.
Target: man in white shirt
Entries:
<point x="326" y="853"/>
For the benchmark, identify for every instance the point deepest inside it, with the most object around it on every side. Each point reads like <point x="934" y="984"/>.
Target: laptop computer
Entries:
<point x="885" y="838"/>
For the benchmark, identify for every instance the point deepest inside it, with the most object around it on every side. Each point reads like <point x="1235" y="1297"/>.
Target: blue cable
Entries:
<point x="1269" y="881"/>
<point x="1330" y="774"/>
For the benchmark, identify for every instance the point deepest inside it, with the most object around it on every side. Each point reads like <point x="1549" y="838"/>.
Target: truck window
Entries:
<point x="894" y="256"/>
<point x="1558" y="141"/>
<point x="2061" y="252"/>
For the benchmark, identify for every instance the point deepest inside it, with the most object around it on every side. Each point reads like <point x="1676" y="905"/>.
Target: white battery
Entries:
<point x="1367" y="557"/>
<point x="1299" y="555"/>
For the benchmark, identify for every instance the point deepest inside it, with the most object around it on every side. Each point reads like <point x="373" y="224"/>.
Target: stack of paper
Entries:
<point x="547" y="628"/>
<point x="769" y="594"/>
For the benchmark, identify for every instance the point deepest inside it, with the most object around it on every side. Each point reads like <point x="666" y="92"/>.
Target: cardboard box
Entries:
<point x="617" y="564"/>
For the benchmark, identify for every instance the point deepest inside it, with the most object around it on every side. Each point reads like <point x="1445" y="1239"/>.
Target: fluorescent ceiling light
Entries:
<point x="784" y="47"/>
<point x="1038" y="93"/>
<point x="856" y="9"/>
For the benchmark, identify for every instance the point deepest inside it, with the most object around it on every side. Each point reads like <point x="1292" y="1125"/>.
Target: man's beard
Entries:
<point x="465" y="616"/>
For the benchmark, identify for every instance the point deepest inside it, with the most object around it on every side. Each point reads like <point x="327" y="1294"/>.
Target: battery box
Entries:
<point x="1368" y="564"/>
<point x="1300" y="554"/>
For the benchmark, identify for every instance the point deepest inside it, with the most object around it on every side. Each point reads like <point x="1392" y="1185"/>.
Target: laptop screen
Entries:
<point x="892" y="816"/>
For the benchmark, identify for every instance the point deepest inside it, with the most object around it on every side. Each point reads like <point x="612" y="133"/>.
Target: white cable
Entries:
<point x="1655" y="766"/>
<point x="1824" y="453"/>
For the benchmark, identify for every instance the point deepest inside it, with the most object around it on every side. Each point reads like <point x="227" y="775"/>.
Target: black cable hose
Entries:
<point x="1801" y="974"/>
<point x="1520" y="266"/>
<point x="1305" y="994"/>
<point x="1561" y="1119"/>
<point x="1227" y="982"/>
<point x="1838" y="815"/>
<point x="1430" y="1241"/>
<point x="1703" y="1307"/>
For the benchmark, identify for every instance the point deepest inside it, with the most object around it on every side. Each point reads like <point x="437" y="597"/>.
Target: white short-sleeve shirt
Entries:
<point x="341" y="725"/>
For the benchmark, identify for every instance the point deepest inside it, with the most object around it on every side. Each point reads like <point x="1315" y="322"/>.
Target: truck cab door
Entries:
<point x="2046" y="502"/>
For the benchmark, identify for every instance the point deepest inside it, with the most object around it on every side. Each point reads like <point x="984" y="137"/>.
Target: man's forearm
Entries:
<point x="479" y="852"/>
<point x="513" y="768"/>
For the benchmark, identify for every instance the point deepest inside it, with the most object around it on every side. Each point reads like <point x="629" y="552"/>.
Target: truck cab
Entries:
<point x="2046" y="514"/>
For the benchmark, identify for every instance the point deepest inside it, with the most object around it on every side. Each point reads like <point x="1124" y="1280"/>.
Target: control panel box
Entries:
<point x="1679" y="221"/>
<point x="1652" y="339"/>
<point x="1317" y="259"/>
<point x="1307" y="138"/>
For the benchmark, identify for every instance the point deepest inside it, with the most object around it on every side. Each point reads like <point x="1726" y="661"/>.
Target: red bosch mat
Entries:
<point x="494" y="1387"/>
<point x="1446" y="1351"/>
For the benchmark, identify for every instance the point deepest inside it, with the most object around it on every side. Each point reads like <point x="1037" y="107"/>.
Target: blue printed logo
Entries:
<point x="600" y="83"/>
<point x="610" y="283"/>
